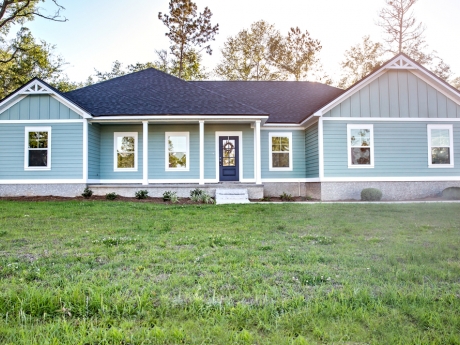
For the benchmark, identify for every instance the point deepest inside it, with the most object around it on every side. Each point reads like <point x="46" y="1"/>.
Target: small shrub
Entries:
<point x="111" y="196"/>
<point x="141" y="194"/>
<point x="170" y="196"/>
<point x="265" y="198"/>
<point x="207" y="199"/>
<point x="371" y="194"/>
<point x="286" y="197"/>
<point x="451" y="193"/>
<point x="87" y="193"/>
<point x="197" y="192"/>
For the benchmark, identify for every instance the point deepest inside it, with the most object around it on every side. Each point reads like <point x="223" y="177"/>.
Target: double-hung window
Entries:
<point x="280" y="145"/>
<point x="125" y="153"/>
<point x="440" y="146"/>
<point x="177" y="151"/>
<point x="360" y="146"/>
<point x="37" y="154"/>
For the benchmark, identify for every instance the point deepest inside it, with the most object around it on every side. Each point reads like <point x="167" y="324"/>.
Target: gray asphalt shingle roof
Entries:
<point x="285" y="101"/>
<point x="152" y="92"/>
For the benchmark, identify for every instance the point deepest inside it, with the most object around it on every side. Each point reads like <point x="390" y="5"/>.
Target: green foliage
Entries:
<point x="141" y="194"/>
<point x="188" y="30"/>
<point x="266" y="198"/>
<point x="199" y="195"/>
<point x="171" y="197"/>
<point x="111" y="196"/>
<point x="371" y="194"/>
<point x="246" y="55"/>
<point x="87" y="193"/>
<point x="360" y="61"/>
<point x="296" y="54"/>
<point x="286" y="197"/>
<point x="451" y="193"/>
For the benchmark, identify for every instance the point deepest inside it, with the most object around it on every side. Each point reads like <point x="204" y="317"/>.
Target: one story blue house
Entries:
<point x="398" y="130"/>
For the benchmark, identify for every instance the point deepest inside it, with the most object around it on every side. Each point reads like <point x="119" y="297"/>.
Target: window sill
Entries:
<point x="360" y="167"/>
<point x="279" y="169"/>
<point x="37" y="169"/>
<point x="441" y="166"/>
<point x="177" y="170"/>
<point x="125" y="170"/>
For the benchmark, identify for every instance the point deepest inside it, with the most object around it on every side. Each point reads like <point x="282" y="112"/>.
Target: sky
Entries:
<point x="99" y="32"/>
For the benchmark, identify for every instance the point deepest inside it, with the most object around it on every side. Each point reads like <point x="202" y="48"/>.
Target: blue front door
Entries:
<point x="229" y="158"/>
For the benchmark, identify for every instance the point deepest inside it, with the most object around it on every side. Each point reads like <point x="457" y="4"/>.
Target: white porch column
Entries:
<point x="85" y="150"/>
<point x="257" y="168"/>
<point x="201" y="152"/>
<point x="145" y="153"/>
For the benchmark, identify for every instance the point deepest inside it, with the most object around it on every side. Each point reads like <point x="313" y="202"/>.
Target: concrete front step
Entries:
<point x="231" y="196"/>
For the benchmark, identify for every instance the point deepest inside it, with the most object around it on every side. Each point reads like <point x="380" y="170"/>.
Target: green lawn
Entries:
<point x="137" y="273"/>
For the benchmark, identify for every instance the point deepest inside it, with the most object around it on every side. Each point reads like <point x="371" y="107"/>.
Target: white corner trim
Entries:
<point x="115" y="156"/>
<point x="42" y="181"/>
<point x="238" y="134"/>
<point x="270" y="152"/>
<point x="201" y="125"/>
<point x="187" y="162"/>
<point x="451" y="146"/>
<point x="320" y="148"/>
<point x="26" y="148"/>
<point x="85" y="150"/>
<point x="257" y="154"/>
<point x="145" y="152"/>
<point x="370" y="127"/>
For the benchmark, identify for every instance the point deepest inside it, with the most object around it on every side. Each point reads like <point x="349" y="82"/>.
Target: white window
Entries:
<point x="360" y="146"/>
<point x="125" y="151"/>
<point x="440" y="146"/>
<point x="177" y="151"/>
<point x="280" y="158"/>
<point x="37" y="154"/>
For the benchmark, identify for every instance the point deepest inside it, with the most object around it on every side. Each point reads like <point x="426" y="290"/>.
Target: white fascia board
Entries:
<point x="290" y="180"/>
<point x="72" y="106"/>
<point x="57" y="121"/>
<point x="178" y="118"/>
<point x="437" y="85"/>
<point x="392" y="119"/>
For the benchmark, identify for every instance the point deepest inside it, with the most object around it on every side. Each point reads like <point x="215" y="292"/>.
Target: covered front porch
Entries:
<point x="154" y="152"/>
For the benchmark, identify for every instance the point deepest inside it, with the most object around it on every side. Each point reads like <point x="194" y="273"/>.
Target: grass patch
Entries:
<point x="133" y="273"/>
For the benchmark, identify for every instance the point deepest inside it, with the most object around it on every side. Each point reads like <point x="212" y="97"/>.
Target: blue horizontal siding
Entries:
<point x="106" y="165"/>
<point x="311" y="151"/>
<point x="400" y="150"/>
<point x="298" y="156"/>
<point x="94" y="150"/>
<point x="39" y="107"/>
<point x="397" y="94"/>
<point x="66" y="152"/>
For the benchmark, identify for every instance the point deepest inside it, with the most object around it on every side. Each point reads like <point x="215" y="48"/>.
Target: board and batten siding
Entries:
<point x="94" y="153"/>
<point x="400" y="150"/>
<point x="66" y="152"/>
<point x="311" y="151"/>
<point x="106" y="165"/>
<point x="39" y="107"/>
<point x="297" y="151"/>
<point x="397" y="94"/>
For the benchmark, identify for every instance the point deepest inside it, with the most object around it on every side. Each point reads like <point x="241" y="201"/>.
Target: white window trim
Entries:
<point x="451" y="146"/>
<point x="26" y="147"/>
<point x="115" y="157"/>
<point x="371" y="146"/>
<point x="270" y="163"/>
<point x="182" y="134"/>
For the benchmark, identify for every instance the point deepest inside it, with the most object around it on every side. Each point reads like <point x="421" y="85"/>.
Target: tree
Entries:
<point x="188" y="30"/>
<point x="456" y="83"/>
<point x="294" y="54"/>
<point x="360" y="60"/>
<point x="246" y="56"/>
<point x="18" y="12"/>
<point x="31" y="59"/>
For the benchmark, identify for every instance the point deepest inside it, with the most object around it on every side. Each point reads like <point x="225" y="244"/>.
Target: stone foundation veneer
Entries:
<point x="65" y="189"/>
<point x="391" y="190"/>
